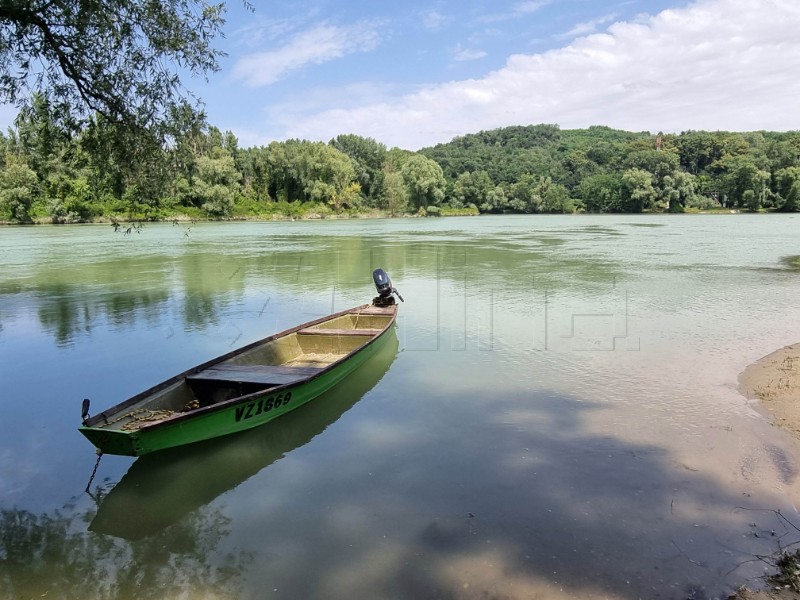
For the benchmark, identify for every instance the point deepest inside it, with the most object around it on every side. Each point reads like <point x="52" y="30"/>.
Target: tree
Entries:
<point x="792" y="200"/>
<point x="121" y="59"/>
<point x="522" y="195"/>
<point x="496" y="200"/>
<point x="325" y="174"/>
<point x="368" y="158"/>
<point x="658" y="163"/>
<point x="472" y="188"/>
<point x="424" y="180"/>
<point x="553" y="197"/>
<point x="679" y="190"/>
<point x="38" y="136"/>
<point x="576" y="166"/>
<point x="217" y="182"/>
<point x="254" y="165"/>
<point x="637" y="185"/>
<point x="540" y="195"/>
<point x="395" y="194"/>
<point x="698" y="150"/>
<point x="788" y="189"/>
<point x="17" y="188"/>
<point x="744" y="182"/>
<point x="602" y="193"/>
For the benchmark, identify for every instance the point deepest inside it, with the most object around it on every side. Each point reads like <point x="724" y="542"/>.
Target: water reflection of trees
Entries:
<point x="52" y="555"/>
<point x="129" y="289"/>
<point x="66" y="314"/>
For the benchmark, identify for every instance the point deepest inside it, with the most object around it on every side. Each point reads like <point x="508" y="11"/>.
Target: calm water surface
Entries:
<point x="557" y="415"/>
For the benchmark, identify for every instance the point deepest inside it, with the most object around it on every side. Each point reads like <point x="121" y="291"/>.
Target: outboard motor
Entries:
<point x="385" y="290"/>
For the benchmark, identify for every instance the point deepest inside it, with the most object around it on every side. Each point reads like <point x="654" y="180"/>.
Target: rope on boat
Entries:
<point x="142" y="416"/>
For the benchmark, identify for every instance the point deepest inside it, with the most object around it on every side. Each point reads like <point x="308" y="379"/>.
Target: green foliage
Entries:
<point x="216" y="183"/>
<point x="121" y="61"/>
<point x="108" y="171"/>
<point x="679" y="190"/>
<point x="433" y="211"/>
<point x="788" y="189"/>
<point x="368" y="158"/>
<point x="472" y="188"/>
<point x="466" y="211"/>
<point x="744" y="183"/>
<point x="394" y="194"/>
<point x="602" y="193"/>
<point x="300" y="170"/>
<point x="638" y="192"/>
<point x="692" y="170"/>
<point x="17" y="189"/>
<point x="424" y="181"/>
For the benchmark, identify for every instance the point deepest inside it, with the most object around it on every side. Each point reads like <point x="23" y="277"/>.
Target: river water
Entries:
<point x="557" y="415"/>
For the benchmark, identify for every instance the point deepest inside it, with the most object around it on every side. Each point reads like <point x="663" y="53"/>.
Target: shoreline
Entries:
<point x="181" y="218"/>
<point x="775" y="381"/>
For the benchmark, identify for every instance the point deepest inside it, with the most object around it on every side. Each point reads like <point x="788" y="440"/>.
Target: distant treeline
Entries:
<point x="540" y="168"/>
<point x="101" y="171"/>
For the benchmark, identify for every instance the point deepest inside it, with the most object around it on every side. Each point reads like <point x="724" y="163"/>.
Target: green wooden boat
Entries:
<point x="161" y="488"/>
<point x="249" y="386"/>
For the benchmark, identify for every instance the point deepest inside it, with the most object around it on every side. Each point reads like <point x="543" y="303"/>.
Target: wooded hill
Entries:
<point x="48" y="174"/>
<point x="541" y="168"/>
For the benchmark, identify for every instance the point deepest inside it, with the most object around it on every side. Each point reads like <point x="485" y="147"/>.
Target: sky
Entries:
<point x="413" y="74"/>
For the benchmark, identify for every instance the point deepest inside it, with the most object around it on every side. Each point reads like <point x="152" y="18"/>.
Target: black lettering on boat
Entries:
<point x="246" y="412"/>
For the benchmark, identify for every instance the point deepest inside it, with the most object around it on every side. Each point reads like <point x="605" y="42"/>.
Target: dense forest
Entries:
<point x="51" y="173"/>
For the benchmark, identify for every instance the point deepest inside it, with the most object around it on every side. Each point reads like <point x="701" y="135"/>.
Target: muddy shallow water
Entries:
<point x="559" y="414"/>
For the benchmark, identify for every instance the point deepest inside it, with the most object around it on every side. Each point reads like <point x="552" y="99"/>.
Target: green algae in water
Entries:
<point x="792" y="262"/>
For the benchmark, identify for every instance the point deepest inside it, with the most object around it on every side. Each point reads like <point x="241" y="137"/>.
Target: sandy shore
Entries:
<point x="775" y="380"/>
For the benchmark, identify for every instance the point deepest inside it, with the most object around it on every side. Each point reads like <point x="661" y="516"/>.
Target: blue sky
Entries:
<point x="413" y="73"/>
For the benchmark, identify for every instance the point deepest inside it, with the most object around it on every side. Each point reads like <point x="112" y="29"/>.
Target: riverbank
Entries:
<point x="279" y="211"/>
<point x="775" y="380"/>
<point x="315" y="212"/>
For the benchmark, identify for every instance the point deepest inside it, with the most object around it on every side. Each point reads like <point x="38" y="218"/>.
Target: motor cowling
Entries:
<point x="383" y="285"/>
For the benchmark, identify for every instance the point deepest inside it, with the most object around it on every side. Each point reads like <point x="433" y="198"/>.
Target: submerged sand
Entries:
<point x="775" y="380"/>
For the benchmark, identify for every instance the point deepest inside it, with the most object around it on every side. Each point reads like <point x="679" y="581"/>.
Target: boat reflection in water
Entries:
<point x="161" y="488"/>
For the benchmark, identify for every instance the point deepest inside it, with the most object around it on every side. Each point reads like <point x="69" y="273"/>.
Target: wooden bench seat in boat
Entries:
<point x="327" y="331"/>
<point x="260" y="374"/>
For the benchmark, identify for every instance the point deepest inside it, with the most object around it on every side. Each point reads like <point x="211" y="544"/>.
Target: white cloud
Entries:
<point x="587" y="27"/>
<point x="260" y="31"/>
<point x="531" y="6"/>
<point x="519" y="9"/>
<point x="462" y="54"/>
<point x="433" y="20"/>
<point x="716" y="64"/>
<point x="315" y="46"/>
